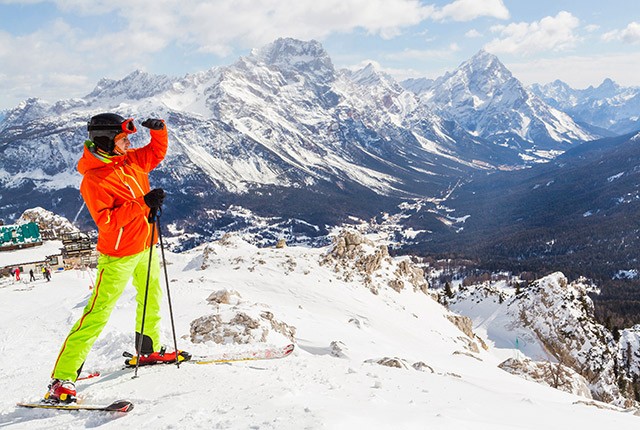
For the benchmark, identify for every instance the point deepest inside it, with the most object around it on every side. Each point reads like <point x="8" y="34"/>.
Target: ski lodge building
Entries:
<point x="22" y="247"/>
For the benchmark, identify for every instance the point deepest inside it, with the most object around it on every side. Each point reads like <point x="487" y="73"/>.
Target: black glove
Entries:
<point x="154" y="198"/>
<point x="153" y="124"/>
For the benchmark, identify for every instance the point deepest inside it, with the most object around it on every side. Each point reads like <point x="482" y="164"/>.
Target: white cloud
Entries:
<point x="473" y="33"/>
<point x="114" y="37"/>
<point x="552" y="33"/>
<point x="630" y="34"/>
<point x="579" y="71"/>
<point x="218" y="26"/>
<point x="40" y="64"/>
<point x="468" y="10"/>
<point x="426" y="54"/>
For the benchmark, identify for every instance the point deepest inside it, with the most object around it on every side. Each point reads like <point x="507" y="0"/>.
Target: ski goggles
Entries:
<point x="128" y="126"/>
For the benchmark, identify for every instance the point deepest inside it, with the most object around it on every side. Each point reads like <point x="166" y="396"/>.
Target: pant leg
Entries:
<point x="151" y="336"/>
<point x="113" y="275"/>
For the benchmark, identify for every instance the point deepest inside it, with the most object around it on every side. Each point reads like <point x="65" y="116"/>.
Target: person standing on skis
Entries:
<point x="115" y="188"/>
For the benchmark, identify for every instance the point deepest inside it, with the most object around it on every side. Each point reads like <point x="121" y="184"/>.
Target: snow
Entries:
<point x="331" y="380"/>
<point x="626" y="274"/>
<point x="18" y="257"/>
<point x="614" y="177"/>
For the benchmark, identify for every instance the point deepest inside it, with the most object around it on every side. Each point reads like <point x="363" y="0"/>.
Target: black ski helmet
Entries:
<point x="104" y="127"/>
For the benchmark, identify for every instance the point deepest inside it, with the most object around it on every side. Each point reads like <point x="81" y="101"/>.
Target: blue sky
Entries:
<point x="60" y="49"/>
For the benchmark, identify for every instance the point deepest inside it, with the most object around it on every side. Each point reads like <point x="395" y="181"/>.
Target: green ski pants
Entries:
<point x="114" y="274"/>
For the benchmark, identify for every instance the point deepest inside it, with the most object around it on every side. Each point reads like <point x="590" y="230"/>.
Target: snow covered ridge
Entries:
<point x="552" y="320"/>
<point x="372" y="356"/>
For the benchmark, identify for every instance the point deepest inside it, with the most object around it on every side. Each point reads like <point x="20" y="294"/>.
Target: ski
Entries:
<point x="117" y="406"/>
<point x="267" y="353"/>
<point x="261" y="354"/>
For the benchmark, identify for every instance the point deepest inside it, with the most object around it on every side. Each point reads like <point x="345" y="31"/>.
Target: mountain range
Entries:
<point x="608" y="106"/>
<point x="283" y="122"/>
<point x="283" y="138"/>
<point x="487" y="100"/>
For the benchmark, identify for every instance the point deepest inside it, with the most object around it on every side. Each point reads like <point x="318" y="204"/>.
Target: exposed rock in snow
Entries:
<point x="554" y="375"/>
<point x="240" y="324"/>
<point x="466" y="326"/>
<point x="353" y="256"/>
<point x="561" y="315"/>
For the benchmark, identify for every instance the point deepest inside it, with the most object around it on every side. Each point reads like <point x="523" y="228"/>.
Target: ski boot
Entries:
<point x="61" y="392"/>
<point x="160" y="357"/>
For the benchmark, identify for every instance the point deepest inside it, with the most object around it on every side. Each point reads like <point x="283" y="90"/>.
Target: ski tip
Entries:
<point x="289" y="349"/>
<point x="120" y="406"/>
<point x="89" y="376"/>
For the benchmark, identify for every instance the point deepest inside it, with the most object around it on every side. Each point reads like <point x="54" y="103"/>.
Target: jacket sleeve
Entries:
<point x="101" y="205"/>
<point x="150" y="155"/>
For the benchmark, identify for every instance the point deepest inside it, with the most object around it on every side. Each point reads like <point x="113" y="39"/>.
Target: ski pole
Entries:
<point x="166" y="277"/>
<point x="152" y="220"/>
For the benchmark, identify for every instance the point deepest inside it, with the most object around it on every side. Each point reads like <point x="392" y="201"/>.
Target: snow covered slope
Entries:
<point x="552" y="320"/>
<point x="374" y="350"/>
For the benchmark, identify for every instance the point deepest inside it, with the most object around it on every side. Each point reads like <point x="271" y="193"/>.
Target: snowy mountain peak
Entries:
<point x="609" y="83"/>
<point x="135" y="86"/>
<point x="608" y="88"/>
<point x="292" y="55"/>
<point x="372" y="75"/>
<point x="487" y="100"/>
<point x="28" y="110"/>
<point x="485" y="57"/>
<point x="50" y="224"/>
<point x="484" y="64"/>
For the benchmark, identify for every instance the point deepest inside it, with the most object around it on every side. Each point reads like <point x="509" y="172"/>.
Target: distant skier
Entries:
<point x="115" y="188"/>
<point x="17" y="273"/>
<point x="32" y="277"/>
<point x="47" y="274"/>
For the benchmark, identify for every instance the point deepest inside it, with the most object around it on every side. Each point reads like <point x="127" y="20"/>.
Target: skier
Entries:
<point x="17" y="273"/>
<point x="115" y="188"/>
<point x="32" y="277"/>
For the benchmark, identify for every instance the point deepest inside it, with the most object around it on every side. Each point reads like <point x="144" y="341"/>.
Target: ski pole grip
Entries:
<point x="153" y="213"/>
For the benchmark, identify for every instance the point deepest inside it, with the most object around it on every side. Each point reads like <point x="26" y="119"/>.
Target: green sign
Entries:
<point x="19" y="234"/>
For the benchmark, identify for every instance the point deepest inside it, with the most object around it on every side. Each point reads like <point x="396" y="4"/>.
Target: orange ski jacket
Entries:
<point x="113" y="190"/>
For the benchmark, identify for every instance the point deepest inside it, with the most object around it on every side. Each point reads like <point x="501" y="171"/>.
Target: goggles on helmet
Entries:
<point x="128" y="126"/>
